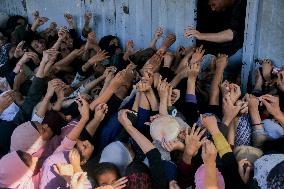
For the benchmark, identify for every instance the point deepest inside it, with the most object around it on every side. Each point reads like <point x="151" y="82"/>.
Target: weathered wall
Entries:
<point x="270" y="31"/>
<point x="128" y="19"/>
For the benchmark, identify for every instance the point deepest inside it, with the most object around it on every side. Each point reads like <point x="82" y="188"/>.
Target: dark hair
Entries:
<point x="25" y="157"/>
<point x="102" y="168"/>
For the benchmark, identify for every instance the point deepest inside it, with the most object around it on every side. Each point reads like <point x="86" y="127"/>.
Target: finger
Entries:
<point x="192" y="130"/>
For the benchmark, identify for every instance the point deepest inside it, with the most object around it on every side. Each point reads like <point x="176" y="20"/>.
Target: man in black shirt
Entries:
<point x="220" y="29"/>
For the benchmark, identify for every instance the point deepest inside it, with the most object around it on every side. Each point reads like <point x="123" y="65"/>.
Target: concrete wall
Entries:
<point x="270" y="31"/>
<point x="128" y="19"/>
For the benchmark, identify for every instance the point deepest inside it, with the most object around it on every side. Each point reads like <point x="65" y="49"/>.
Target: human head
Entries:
<point x="138" y="175"/>
<point x="122" y="156"/>
<point x="20" y="176"/>
<point x="219" y="5"/>
<point x="110" y="44"/>
<point x="85" y="149"/>
<point x="165" y="128"/>
<point x="38" y="45"/>
<point x="30" y="137"/>
<point x="105" y="174"/>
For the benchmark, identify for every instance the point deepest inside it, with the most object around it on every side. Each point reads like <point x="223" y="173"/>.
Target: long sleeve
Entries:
<point x="157" y="169"/>
<point x="35" y="94"/>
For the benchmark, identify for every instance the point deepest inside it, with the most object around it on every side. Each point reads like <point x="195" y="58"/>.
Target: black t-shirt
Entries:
<point x="233" y="18"/>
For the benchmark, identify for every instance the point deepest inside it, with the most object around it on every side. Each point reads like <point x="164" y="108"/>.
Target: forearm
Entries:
<point x="94" y="83"/>
<point x="140" y="139"/>
<point x="103" y="97"/>
<point x="66" y="61"/>
<point x="58" y="105"/>
<point x="163" y="107"/>
<point x="190" y="86"/>
<point x="231" y="133"/>
<point x="210" y="177"/>
<point x="220" y="37"/>
<point x="76" y="131"/>
<point x="214" y="89"/>
<point x="153" y="43"/>
<point x="57" y="44"/>
<point x="92" y="126"/>
<point x="280" y="118"/>
<point x="154" y="104"/>
<point x="43" y="107"/>
<point x="143" y="102"/>
<point x="176" y="80"/>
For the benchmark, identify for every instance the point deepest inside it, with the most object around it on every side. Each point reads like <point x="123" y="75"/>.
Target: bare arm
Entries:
<point x="83" y="107"/>
<point x="220" y="37"/>
<point x="139" y="138"/>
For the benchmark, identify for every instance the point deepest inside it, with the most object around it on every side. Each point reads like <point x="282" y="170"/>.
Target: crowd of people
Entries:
<point x="77" y="112"/>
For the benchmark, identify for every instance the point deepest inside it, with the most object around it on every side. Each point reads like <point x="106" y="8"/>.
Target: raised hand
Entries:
<point x="68" y="17"/>
<point x="100" y="56"/>
<point x="193" y="71"/>
<point x="245" y="168"/>
<point x="65" y="170"/>
<point x="35" y="14"/>
<point x="6" y="100"/>
<point x="190" y="32"/>
<point x="193" y="140"/>
<point x="235" y="92"/>
<point x="163" y="89"/>
<point x="119" y="78"/>
<point x="77" y="53"/>
<point x="225" y="87"/>
<point x="120" y="183"/>
<point x="168" y="59"/>
<point x="173" y="185"/>
<point x="123" y="118"/>
<point x="173" y="145"/>
<point x="209" y="153"/>
<point x="143" y="86"/>
<point x="19" y="52"/>
<point x="272" y="104"/>
<point x="40" y="21"/>
<point x="87" y="17"/>
<point x="91" y="41"/>
<point x="158" y="33"/>
<point x="210" y="123"/>
<point x="83" y="107"/>
<point x="62" y="33"/>
<point x="75" y="160"/>
<point x="30" y="56"/>
<point x="230" y="110"/>
<point x="100" y="112"/>
<point x="197" y="55"/>
<point x="221" y="61"/>
<point x="78" y="179"/>
<point x="175" y="96"/>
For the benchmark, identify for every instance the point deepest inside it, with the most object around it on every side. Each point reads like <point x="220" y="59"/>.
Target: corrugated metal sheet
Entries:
<point x="128" y="19"/>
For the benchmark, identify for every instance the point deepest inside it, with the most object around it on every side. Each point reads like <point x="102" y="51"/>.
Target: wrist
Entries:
<point x="201" y="36"/>
<point x="278" y="115"/>
<point x="186" y="158"/>
<point x="210" y="164"/>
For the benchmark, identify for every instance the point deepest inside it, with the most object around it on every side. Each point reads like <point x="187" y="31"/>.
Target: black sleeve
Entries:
<point x="157" y="169"/>
<point x="237" y="24"/>
<point x="190" y="112"/>
<point x="6" y="68"/>
<point x="36" y="91"/>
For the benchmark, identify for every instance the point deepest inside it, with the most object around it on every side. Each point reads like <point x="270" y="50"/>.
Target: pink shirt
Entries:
<point x="49" y="178"/>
